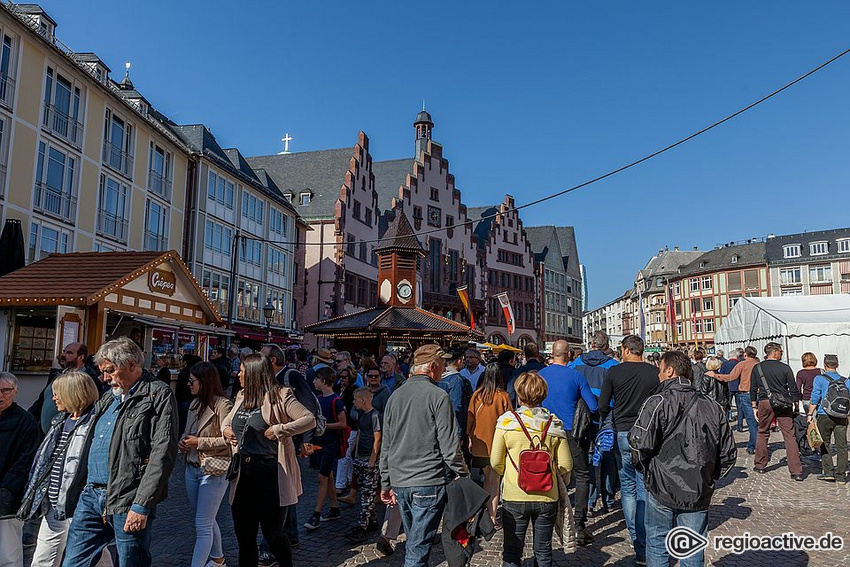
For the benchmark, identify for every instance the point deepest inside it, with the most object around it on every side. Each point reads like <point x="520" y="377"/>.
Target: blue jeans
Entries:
<point x="737" y="396"/>
<point x="746" y="406"/>
<point x="633" y="494"/>
<point x="205" y="493"/>
<point x="608" y="472"/>
<point x="421" y="509"/>
<point x="659" y="520"/>
<point x="515" y="519"/>
<point x="90" y="531"/>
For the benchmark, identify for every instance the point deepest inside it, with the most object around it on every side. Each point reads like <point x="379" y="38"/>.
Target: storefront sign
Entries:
<point x="162" y="281"/>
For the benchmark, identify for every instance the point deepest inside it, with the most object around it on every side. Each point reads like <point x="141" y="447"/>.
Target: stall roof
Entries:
<point x="83" y="278"/>
<point x="388" y="319"/>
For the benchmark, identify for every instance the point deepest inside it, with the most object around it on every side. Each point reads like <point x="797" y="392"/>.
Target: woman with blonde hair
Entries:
<point x="56" y="478"/>
<point x="207" y="459"/>
<point x="487" y="404"/>
<point x="261" y="424"/>
<point x="530" y="424"/>
<point x="712" y="387"/>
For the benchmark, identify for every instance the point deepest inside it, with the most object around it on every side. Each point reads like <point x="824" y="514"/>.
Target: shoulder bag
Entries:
<point x="778" y="404"/>
<point x="213" y="465"/>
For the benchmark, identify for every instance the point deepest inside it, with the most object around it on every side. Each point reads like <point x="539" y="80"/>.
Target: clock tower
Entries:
<point x="398" y="254"/>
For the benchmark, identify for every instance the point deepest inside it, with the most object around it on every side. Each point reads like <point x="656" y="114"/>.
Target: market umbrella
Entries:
<point x="11" y="247"/>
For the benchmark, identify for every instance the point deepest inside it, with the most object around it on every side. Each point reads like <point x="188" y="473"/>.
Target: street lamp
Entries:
<point x="268" y="313"/>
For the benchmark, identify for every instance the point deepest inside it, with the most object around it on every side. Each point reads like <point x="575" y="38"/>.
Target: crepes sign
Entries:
<point x="162" y="281"/>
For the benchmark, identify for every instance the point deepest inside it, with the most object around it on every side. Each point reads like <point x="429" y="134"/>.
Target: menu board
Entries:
<point x="34" y="339"/>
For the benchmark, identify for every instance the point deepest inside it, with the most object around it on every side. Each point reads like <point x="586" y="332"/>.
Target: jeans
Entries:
<point x="745" y="406"/>
<point x="659" y="520"/>
<point x="205" y="493"/>
<point x="11" y="548"/>
<point x="90" y="531"/>
<point x="738" y="409"/>
<point x="828" y="426"/>
<point x="421" y="509"/>
<point x="581" y="475"/>
<point x="515" y="519"/>
<point x="608" y="476"/>
<point x="52" y="534"/>
<point x="633" y="494"/>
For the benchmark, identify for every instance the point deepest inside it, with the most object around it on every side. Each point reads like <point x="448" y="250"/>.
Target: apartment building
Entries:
<point x="809" y="263"/>
<point x="86" y="163"/>
<point x="609" y="318"/>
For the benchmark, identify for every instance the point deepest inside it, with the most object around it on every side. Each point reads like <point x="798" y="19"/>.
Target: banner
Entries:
<point x="464" y="298"/>
<point x="509" y="312"/>
<point x="671" y="313"/>
<point x="642" y="317"/>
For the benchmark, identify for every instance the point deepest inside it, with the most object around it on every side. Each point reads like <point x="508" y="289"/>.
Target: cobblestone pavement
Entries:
<point x="769" y="504"/>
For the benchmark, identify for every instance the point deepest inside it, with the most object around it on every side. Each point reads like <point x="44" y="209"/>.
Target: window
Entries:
<point x="678" y="309"/>
<point x="7" y="82"/>
<point x="349" y="287"/>
<point x="217" y="288"/>
<point x="734" y="281"/>
<point x="677" y="288"/>
<point x="679" y="329"/>
<point x="349" y="244"/>
<point x="304" y="198"/>
<point x="790" y="276"/>
<point x="698" y="325"/>
<point x="792" y="251"/>
<point x="751" y="279"/>
<point x="220" y="190"/>
<point x="843" y="245"/>
<point x="435" y="194"/>
<point x="112" y="213"/>
<point x="707" y="304"/>
<point x="361" y="291"/>
<point x="118" y="144"/>
<point x="248" y="301"/>
<point x="820" y="274"/>
<point x="657" y="317"/>
<point x="159" y="171"/>
<point x="356" y="211"/>
<point x="277" y="261"/>
<point x="819" y="248"/>
<point x="218" y="238"/>
<point x="436" y="259"/>
<point x="362" y="254"/>
<point x="706" y="282"/>
<point x="252" y="207"/>
<point x="792" y="291"/>
<point x="62" y="107"/>
<point x="54" y="183"/>
<point x="708" y="325"/>
<point x="251" y="251"/>
<point x="695" y="305"/>
<point x="454" y="266"/>
<point x="694" y="284"/>
<point x="46" y="240"/>
<point x="278" y="222"/>
<point x="156" y="227"/>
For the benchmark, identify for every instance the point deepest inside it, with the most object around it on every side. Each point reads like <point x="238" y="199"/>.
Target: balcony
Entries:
<point x="155" y="242"/>
<point x="111" y="226"/>
<point x="159" y="184"/>
<point x="55" y="203"/>
<point x="117" y="159"/>
<point x="7" y="91"/>
<point x="63" y="126"/>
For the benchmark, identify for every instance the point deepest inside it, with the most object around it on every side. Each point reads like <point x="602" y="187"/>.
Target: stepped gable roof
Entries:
<point x="751" y="254"/>
<point x="321" y="173"/>
<point x="399" y="236"/>
<point x="389" y="175"/>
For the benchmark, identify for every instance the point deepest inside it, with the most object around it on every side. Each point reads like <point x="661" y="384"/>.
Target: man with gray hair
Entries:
<point x="18" y="443"/>
<point x="132" y="447"/>
<point x="831" y="418"/>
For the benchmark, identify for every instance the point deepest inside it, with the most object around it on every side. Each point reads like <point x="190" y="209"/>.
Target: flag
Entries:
<point x="642" y="316"/>
<point x="509" y="312"/>
<point x="464" y="298"/>
<point x="671" y="313"/>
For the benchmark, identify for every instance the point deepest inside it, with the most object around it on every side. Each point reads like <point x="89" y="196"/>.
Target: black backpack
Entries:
<point x="836" y="402"/>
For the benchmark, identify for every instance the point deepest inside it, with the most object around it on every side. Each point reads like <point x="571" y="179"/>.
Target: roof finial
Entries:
<point x="423" y="104"/>
<point x="286" y="139"/>
<point x="126" y="83"/>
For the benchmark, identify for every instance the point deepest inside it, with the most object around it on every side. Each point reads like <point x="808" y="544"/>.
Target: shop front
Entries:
<point x="91" y="298"/>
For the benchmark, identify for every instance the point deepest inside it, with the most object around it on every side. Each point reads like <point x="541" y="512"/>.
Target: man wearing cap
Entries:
<point x="420" y="452"/>
<point x="473" y="369"/>
<point x="455" y="386"/>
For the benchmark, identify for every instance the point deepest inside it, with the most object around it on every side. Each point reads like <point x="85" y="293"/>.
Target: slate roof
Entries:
<point x="388" y="176"/>
<point x="774" y="253"/>
<point x="321" y="172"/>
<point x="481" y="227"/>
<point x="400" y="236"/>
<point x="569" y="248"/>
<point x="669" y="261"/>
<point x="721" y="258"/>
<point x="388" y="319"/>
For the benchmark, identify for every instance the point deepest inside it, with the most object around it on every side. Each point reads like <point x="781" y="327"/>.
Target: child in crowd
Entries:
<point x="366" y="463"/>
<point x="327" y="447"/>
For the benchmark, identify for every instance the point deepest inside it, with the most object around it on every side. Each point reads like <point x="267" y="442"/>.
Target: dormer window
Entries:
<point x="735" y="258"/>
<point x="819" y="248"/>
<point x="702" y="264"/>
<point x="288" y="196"/>
<point x="792" y="251"/>
<point x="304" y="198"/>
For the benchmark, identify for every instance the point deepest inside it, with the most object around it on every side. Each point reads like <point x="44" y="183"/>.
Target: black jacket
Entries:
<point x="716" y="390"/>
<point x="682" y="453"/>
<point x="19" y="438"/>
<point x="222" y="364"/>
<point x="779" y="377"/>
<point x="465" y="514"/>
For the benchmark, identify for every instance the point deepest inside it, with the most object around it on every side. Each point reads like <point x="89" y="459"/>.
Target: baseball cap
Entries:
<point x="429" y="353"/>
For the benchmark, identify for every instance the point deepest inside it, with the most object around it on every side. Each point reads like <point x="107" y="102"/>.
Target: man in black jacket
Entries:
<point x="18" y="443"/>
<point x="683" y="443"/>
<point x="780" y="380"/>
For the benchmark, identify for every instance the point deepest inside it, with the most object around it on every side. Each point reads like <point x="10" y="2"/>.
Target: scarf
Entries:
<point x="534" y="419"/>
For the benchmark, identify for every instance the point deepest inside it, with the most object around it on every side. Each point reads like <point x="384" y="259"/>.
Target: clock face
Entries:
<point x="404" y="290"/>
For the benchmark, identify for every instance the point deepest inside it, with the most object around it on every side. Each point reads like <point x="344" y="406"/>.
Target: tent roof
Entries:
<point x="755" y="318"/>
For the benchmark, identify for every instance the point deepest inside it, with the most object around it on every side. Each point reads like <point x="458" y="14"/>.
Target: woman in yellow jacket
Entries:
<point x="519" y="508"/>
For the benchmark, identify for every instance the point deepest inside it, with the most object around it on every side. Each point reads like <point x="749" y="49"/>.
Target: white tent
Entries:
<point x="813" y="323"/>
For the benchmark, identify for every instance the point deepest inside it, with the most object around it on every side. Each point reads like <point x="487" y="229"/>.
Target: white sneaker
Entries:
<point x="212" y="563"/>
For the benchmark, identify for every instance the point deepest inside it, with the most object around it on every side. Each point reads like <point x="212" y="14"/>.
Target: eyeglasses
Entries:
<point x="6" y="391"/>
<point x="373" y="375"/>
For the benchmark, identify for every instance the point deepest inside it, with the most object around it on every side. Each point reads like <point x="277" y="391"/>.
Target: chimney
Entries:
<point x="696" y="248"/>
<point x="676" y="248"/>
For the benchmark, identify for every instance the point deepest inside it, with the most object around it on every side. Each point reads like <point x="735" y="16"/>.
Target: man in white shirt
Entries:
<point x="474" y="369"/>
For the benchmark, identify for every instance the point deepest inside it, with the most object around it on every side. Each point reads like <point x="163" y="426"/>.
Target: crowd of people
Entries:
<point x="440" y="436"/>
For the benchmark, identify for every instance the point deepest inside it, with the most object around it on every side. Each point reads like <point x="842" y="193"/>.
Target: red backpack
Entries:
<point x="534" y="473"/>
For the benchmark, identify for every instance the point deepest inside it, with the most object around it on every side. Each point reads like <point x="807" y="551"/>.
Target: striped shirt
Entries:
<point x="59" y="461"/>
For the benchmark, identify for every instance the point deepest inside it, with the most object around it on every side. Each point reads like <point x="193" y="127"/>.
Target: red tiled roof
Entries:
<point x="73" y="279"/>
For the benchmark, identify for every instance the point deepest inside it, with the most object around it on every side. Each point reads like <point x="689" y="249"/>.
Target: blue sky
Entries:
<point x="528" y="98"/>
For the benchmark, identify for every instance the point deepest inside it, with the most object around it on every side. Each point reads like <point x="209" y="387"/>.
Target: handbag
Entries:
<point x="534" y="473"/>
<point x="778" y="404"/>
<point x="214" y="465"/>
<point x="236" y="458"/>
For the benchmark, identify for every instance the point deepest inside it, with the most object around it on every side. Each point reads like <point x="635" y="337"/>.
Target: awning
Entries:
<point x="172" y="324"/>
<point x="259" y="335"/>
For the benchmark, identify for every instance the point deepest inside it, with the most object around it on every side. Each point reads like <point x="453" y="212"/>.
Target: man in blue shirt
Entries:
<point x="566" y="388"/>
<point x="131" y="455"/>
<point x="829" y="424"/>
